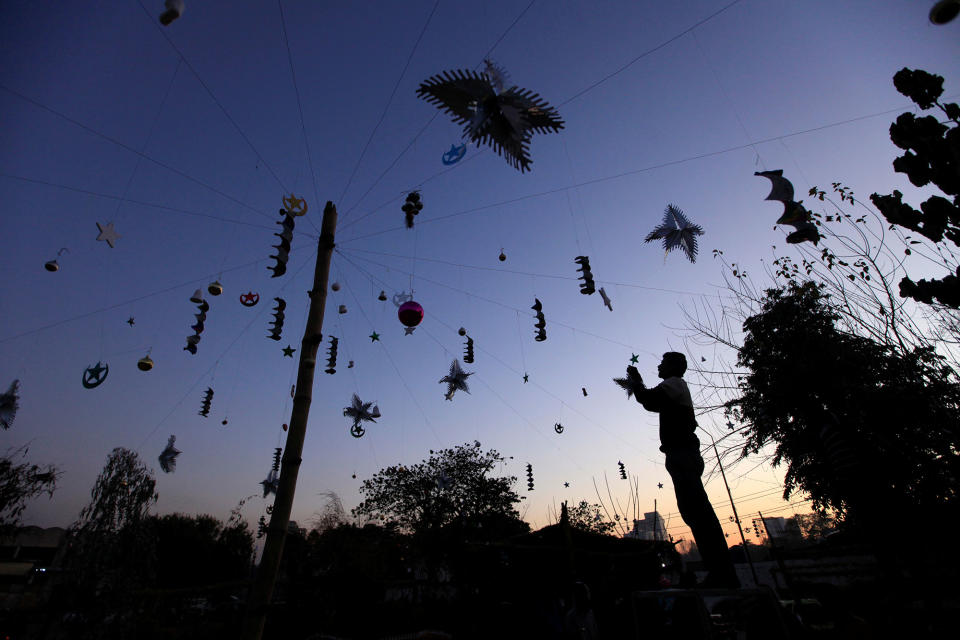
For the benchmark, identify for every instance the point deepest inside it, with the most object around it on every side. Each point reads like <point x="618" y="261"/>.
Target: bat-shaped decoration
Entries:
<point x="587" y="287"/>
<point x="9" y="403"/>
<point x="411" y="207"/>
<point x="174" y="9"/>
<point x="529" y="477"/>
<point x="361" y="412"/>
<point x="456" y="380"/>
<point x="794" y="213"/>
<point x="277" y="323"/>
<point x="332" y="356"/>
<point x="168" y="457"/>
<point x="205" y="403"/>
<point x="202" y="307"/>
<point x="606" y="299"/>
<point x="468" y="351"/>
<point x="677" y="233"/>
<point x="504" y="119"/>
<point x="541" y="324"/>
<point x="623" y="471"/>
<point x="283" y="248"/>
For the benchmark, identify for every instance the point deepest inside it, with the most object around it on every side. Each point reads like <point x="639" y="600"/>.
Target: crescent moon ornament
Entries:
<point x="250" y="299"/>
<point x="94" y="376"/>
<point x="558" y="428"/>
<point x="296" y="206"/>
<point x="455" y="154"/>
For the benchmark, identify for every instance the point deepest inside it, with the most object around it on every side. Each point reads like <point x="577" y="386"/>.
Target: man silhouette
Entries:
<point x="671" y="399"/>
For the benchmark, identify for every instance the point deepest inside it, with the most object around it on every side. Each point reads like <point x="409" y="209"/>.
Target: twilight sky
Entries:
<point x="187" y="137"/>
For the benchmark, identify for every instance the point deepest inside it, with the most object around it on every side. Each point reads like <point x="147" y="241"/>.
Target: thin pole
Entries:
<point x="266" y="576"/>
<point x="743" y="540"/>
<point x="656" y="528"/>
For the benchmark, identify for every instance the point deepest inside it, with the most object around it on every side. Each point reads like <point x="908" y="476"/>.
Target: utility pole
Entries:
<point x="736" y="517"/>
<point x="261" y="592"/>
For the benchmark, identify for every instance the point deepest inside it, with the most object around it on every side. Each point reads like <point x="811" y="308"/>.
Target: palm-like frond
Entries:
<point x="9" y="403"/>
<point x="677" y="233"/>
<point x="168" y="458"/>
<point x="624" y="383"/>
<point x="361" y="411"/>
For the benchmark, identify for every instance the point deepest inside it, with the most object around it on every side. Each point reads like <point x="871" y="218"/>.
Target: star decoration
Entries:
<point x="526" y="378"/>
<point x="130" y="321"/>
<point x="108" y="233"/>
<point x="456" y="380"/>
<point x="288" y="352"/>
<point x="566" y="484"/>
<point x="729" y="425"/>
<point x="360" y="411"/>
<point x="408" y="331"/>
<point x="94" y="376"/>
<point x="659" y="485"/>
<point x="634" y="358"/>
<point x="270" y="484"/>
<point x="374" y="336"/>
<point x="677" y="232"/>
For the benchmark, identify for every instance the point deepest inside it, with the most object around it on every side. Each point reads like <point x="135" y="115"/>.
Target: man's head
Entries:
<point x="673" y="364"/>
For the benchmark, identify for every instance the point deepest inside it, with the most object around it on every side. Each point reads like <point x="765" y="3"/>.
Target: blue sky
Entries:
<point x="194" y="194"/>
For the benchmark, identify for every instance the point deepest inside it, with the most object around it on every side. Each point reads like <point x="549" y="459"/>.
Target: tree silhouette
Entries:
<point x="931" y="156"/>
<point x="19" y="482"/>
<point x="853" y="419"/>
<point x="451" y="486"/>
<point x="587" y="517"/>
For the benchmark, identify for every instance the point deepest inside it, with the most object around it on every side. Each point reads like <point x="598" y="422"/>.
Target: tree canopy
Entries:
<point x="896" y="413"/>
<point x="19" y="483"/>
<point x="452" y="486"/>
<point x="587" y="517"/>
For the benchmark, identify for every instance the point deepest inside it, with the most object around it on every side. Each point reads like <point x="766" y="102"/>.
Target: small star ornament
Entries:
<point x="456" y="380"/>
<point x="634" y="358"/>
<point x="526" y="378"/>
<point x="677" y="233"/>
<point x="408" y="331"/>
<point x="659" y="485"/>
<point x="131" y="321"/>
<point x="374" y="337"/>
<point x="107" y="233"/>
<point x="288" y="352"/>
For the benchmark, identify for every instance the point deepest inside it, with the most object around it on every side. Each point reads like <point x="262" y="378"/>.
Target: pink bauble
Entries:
<point x="410" y="313"/>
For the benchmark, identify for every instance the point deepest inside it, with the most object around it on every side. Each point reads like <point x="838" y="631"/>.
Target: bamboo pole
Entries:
<point x="266" y="576"/>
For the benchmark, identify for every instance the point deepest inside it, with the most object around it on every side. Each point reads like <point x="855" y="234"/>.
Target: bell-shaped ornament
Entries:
<point x="503" y="256"/>
<point x="215" y="288"/>
<point x="145" y="363"/>
<point x="197" y="297"/>
<point x="376" y="411"/>
<point x="382" y="296"/>
<point x="51" y="265"/>
<point x="342" y="309"/>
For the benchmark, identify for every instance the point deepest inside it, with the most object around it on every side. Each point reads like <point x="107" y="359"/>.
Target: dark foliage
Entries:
<point x="587" y="517"/>
<point x="452" y="486"/>
<point x="932" y="155"/>
<point x="19" y="483"/>
<point x="199" y="550"/>
<point x="854" y="420"/>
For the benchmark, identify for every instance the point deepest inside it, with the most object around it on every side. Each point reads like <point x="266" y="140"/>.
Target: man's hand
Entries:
<point x="634" y="377"/>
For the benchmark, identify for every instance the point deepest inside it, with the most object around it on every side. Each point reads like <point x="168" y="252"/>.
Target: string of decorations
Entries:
<point x="541" y="324"/>
<point x="205" y="403"/>
<point x="276" y="325"/>
<point x="202" y="307"/>
<point x="272" y="482"/>
<point x="332" y="356"/>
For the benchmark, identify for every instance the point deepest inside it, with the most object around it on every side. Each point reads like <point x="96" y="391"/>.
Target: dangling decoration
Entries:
<point x="462" y="331"/>
<point x="677" y="232"/>
<point x="296" y="206"/>
<point x="502" y="257"/>
<point x="262" y="526"/>
<point x="383" y="296"/>
<point x="250" y="299"/>
<point x="529" y="477"/>
<point x="350" y="365"/>
<point x="288" y="351"/>
<point x="335" y="286"/>
<point x="277" y="322"/>
<point x="794" y="213"/>
<point x="361" y="412"/>
<point x="332" y="356"/>
<point x="284" y="426"/>
<point x="468" y="351"/>
<point x="272" y="481"/>
<point x="455" y="154"/>
<point x="201" y="316"/>
<point x="131" y="321"/>
<point x="51" y="265"/>
<point x="399" y="298"/>
<point x="587" y="287"/>
<point x="342" y="309"/>
<point x="94" y="376"/>
<point x="558" y="428"/>
<point x="456" y="380"/>
<point x="283" y="248"/>
<point x="168" y="457"/>
<point x="584" y="389"/>
<point x="145" y="363"/>
<point x="606" y="299"/>
<point x="411" y="207"/>
<point x="503" y="119"/>
<point x="107" y="233"/>
<point x="374" y="337"/>
<point x="224" y="422"/>
<point x="9" y="403"/>
<point x="174" y="11"/>
<point x="623" y="470"/>
<point x="541" y="324"/>
<point x="410" y="313"/>
<point x="215" y="288"/>
<point x="205" y="403"/>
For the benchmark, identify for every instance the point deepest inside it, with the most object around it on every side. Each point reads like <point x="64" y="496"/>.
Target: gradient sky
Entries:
<point x="108" y="117"/>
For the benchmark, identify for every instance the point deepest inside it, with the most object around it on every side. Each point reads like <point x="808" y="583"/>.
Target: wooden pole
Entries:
<point x="266" y="576"/>
<point x="743" y="540"/>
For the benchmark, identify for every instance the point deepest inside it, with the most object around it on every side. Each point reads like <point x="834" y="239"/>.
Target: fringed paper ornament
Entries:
<point x="168" y="457"/>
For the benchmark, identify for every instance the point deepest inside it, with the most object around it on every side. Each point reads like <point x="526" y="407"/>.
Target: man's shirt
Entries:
<point x="671" y="399"/>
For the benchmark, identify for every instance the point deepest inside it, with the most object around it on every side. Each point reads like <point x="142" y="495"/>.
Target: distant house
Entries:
<point x="652" y="527"/>
<point x="26" y="560"/>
